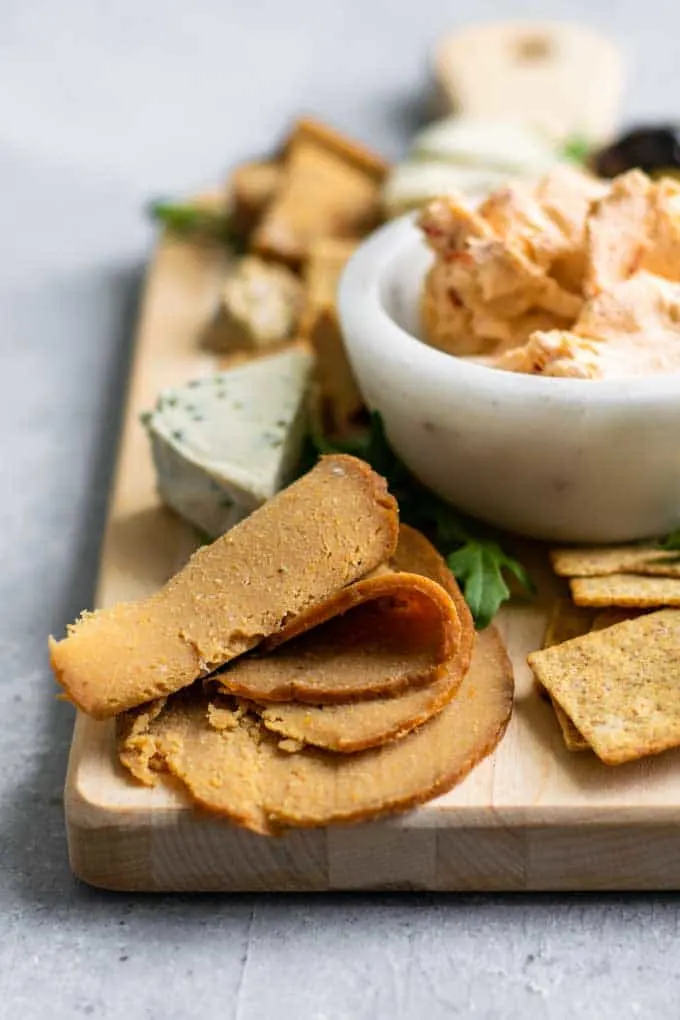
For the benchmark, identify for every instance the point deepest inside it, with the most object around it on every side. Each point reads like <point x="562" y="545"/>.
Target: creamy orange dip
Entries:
<point x="572" y="276"/>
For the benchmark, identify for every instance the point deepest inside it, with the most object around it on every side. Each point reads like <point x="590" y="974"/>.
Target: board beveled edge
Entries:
<point x="172" y="847"/>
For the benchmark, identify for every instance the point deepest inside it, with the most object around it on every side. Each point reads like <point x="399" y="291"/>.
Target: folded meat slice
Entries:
<point x="232" y="765"/>
<point x="331" y="527"/>
<point x="238" y="770"/>
<point x="382" y="635"/>
<point x="357" y="725"/>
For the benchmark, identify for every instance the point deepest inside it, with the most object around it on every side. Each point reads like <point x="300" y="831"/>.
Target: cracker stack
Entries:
<point x="613" y="675"/>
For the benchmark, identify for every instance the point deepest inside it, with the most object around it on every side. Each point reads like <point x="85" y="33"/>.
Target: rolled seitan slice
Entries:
<point x="327" y="530"/>
<point x="382" y="635"/>
<point x="238" y="770"/>
<point x="358" y="725"/>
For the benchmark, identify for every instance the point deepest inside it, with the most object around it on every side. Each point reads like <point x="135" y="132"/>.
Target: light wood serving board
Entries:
<point x="533" y="816"/>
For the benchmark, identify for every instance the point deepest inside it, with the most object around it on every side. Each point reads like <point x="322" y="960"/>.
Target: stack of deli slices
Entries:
<point x="316" y="664"/>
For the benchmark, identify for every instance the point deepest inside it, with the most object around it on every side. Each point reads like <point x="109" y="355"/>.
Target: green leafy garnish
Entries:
<point x="191" y="220"/>
<point x="671" y="542"/>
<point x="472" y="552"/>
<point x="576" y="149"/>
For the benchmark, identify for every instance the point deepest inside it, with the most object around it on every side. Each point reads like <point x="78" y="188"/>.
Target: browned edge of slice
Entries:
<point x="359" y="725"/>
<point x="466" y="739"/>
<point x="237" y="771"/>
<point x="391" y="589"/>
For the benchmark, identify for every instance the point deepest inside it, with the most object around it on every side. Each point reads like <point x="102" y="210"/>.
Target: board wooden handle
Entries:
<point x="564" y="78"/>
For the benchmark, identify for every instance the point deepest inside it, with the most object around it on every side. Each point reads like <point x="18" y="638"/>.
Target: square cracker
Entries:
<point x="628" y="590"/>
<point x="330" y="187"/>
<point x="566" y="621"/>
<point x="573" y="738"/>
<point x="598" y="561"/>
<point x="620" y="686"/>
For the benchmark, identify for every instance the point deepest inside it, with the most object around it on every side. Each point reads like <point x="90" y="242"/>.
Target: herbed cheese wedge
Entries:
<point x="225" y="444"/>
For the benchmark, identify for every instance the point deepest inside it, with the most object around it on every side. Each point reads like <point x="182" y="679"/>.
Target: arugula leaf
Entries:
<point x="190" y="220"/>
<point x="576" y="149"/>
<point x="473" y="555"/>
<point x="672" y="541"/>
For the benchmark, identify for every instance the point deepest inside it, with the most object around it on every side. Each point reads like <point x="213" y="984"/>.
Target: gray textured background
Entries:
<point x="102" y="105"/>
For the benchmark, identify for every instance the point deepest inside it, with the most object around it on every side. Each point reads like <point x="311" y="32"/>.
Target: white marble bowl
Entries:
<point x="561" y="459"/>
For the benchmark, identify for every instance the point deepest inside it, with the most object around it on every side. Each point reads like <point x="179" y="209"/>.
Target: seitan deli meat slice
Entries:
<point x="238" y="771"/>
<point x="358" y="725"/>
<point x="382" y="635"/>
<point x="331" y="527"/>
<point x="318" y="790"/>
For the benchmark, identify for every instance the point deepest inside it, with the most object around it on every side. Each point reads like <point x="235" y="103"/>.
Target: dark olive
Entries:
<point x="648" y="148"/>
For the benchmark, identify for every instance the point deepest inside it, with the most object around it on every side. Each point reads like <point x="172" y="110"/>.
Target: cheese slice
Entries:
<point x="224" y="444"/>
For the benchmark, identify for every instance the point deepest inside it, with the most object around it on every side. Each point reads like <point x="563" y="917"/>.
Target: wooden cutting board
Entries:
<point x="533" y="816"/>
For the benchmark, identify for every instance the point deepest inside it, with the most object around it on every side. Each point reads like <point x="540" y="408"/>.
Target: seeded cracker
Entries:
<point x="623" y="559"/>
<point x="620" y="686"/>
<point x="627" y="590"/>
<point x="566" y="621"/>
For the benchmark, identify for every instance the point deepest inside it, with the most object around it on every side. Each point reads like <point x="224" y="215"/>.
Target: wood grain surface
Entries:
<point x="532" y="816"/>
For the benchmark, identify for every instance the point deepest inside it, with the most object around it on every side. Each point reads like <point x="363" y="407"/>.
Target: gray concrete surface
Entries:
<point x="101" y="106"/>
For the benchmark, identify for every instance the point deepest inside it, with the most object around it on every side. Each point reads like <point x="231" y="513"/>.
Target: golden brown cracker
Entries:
<point x="627" y="590"/>
<point x="598" y="561"/>
<point x="252" y="186"/>
<point x="566" y="622"/>
<point x="620" y="685"/>
<point x="308" y="130"/>
<point x="573" y="738"/>
<point x="330" y="187"/>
